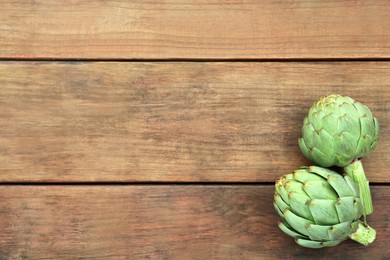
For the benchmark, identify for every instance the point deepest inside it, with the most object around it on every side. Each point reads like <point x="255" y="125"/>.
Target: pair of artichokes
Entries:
<point x="320" y="207"/>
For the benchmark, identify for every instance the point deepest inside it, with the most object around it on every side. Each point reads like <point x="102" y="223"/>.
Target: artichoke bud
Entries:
<point x="322" y="216"/>
<point x="338" y="130"/>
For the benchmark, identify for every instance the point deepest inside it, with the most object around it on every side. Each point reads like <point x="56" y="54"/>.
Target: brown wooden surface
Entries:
<point x="194" y="29"/>
<point x="161" y="222"/>
<point x="172" y="121"/>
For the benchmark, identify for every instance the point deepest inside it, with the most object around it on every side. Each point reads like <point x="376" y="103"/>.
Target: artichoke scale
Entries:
<point x="286" y="228"/>
<point x="307" y="174"/>
<point x="320" y="157"/>
<point x="318" y="232"/>
<point x="339" y="184"/>
<point x="296" y="222"/>
<point x="345" y="208"/>
<point x="362" y="109"/>
<point x="280" y="204"/>
<point x="319" y="190"/>
<point x="328" y="124"/>
<point x="323" y="211"/>
<point x="345" y="146"/>
<point x="298" y="203"/>
<point x="278" y="210"/>
<point x="337" y="181"/>
<point x="340" y="231"/>
<point x="305" y="150"/>
<point x="349" y="124"/>
<point x="368" y="133"/>
<point x="308" y="133"/>
<point x="316" y="244"/>
<point x="280" y="186"/>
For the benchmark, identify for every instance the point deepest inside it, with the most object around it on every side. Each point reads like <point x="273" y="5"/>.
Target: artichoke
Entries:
<point x="320" y="208"/>
<point x="339" y="131"/>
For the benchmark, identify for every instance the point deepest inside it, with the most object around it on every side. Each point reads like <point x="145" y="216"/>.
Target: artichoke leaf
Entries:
<point x="335" y="180"/>
<point x="318" y="232"/>
<point x="340" y="231"/>
<point x="323" y="211"/>
<point x="316" y="244"/>
<point x="280" y="203"/>
<point x="345" y="208"/>
<point x="286" y="228"/>
<point x="298" y="203"/>
<point x="296" y="222"/>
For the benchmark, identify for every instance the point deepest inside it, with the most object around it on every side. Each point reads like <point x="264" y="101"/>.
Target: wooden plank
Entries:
<point x="161" y="222"/>
<point x="194" y="29"/>
<point x="172" y="121"/>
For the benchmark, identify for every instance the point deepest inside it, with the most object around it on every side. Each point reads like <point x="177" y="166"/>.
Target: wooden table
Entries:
<point x="156" y="129"/>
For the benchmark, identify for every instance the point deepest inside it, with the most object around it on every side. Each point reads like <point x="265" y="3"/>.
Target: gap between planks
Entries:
<point x="287" y="60"/>
<point x="153" y="183"/>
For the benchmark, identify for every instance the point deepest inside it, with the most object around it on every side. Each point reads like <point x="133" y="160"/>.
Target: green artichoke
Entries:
<point x="338" y="131"/>
<point x="320" y="208"/>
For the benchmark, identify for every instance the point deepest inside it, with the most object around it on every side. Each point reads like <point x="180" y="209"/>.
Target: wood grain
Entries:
<point x="172" y="121"/>
<point x="179" y="29"/>
<point x="161" y="222"/>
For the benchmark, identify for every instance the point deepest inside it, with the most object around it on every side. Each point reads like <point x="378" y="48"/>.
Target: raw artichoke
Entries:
<point x="320" y="208"/>
<point x="338" y="131"/>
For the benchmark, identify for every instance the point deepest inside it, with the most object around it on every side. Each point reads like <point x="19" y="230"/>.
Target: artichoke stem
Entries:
<point x="356" y="172"/>
<point x="363" y="234"/>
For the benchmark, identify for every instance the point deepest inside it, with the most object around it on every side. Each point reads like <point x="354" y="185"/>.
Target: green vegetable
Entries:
<point x="339" y="131"/>
<point x="320" y="208"/>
